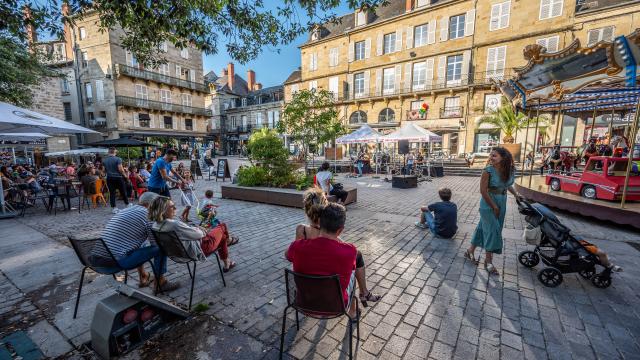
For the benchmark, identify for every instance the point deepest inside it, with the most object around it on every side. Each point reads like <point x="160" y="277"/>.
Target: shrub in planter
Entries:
<point x="252" y="176"/>
<point x="266" y="150"/>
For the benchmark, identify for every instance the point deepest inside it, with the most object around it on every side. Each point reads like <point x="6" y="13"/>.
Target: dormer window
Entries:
<point x="315" y="34"/>
<point x="361" y="18"/>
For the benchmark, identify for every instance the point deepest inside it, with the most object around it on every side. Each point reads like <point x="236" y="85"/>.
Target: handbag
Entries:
<point x="338" y="186"/>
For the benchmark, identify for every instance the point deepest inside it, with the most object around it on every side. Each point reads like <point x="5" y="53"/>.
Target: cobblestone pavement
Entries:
<point x="436" y="304"/>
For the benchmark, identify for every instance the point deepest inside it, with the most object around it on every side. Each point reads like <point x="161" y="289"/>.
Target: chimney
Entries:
<point x="32" y="36"/>
<point x="251" y="80"/>
<point x="68" y="38"/>
<point x="408" y="5"/>
<point x="230" y="76"/>
<point x="224" y="72"/>
<point x="257" y="86"/>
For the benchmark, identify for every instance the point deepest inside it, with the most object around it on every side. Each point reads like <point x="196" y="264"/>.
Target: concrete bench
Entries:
<point x="276" y="196"/>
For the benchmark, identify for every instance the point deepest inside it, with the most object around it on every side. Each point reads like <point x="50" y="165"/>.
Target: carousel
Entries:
<point x="601" y="176"/>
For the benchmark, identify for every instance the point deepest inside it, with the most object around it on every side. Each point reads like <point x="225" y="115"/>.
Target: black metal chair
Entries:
<point x="94" y="254"/>
<point x="319" y="297"/>
<point x="171" y="245"/>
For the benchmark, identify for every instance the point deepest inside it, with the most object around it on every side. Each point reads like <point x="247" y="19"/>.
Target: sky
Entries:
<point x="271" y="68"/>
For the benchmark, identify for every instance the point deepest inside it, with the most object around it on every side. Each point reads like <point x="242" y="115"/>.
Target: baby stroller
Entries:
<point x="559" y="250"/>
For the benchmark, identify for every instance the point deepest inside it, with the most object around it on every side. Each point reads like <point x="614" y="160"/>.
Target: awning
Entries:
<point x="15" y="119"/>
<point x="365" y="134"/>
<point x="413" y="133"/>
<point x="89" y="151"/>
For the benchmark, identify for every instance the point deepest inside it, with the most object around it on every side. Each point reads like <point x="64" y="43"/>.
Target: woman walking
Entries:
<point x="496" y="179"/>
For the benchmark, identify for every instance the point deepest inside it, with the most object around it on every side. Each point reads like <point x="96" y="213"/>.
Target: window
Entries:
<point x="178" y="71"/>
<point x="243" y="102"/>
<point x="144" y="120"/>
<point x="550" y="8"/>
<point x="184" y="53"/>
<point x="452" y="107"/>
<point x="358" y="84"/>
<point x="83" y="33"/>
<point x="421" y="3"/>
<point x="550" y="43"/>
<point x="85" y="59"/>
<point x="65" y="86"/>
<point x="360" y="47"/>
<point x="386" y="115"/>
<point x="186" y="99"/>
<point x="168" y="122"/>
<point x="333" y="86"/>
<point x="361" y="18"/>
<point x="500" y="16"/>
<point x="313" y="62"/>
<point x="163" y="46"/>
<point x="232" y="122"/>
<point x="188" y="124"/>
<point x="389" y="43"/>
<point x="454" y="70"/>
<point x="420" y="35"/>
<point x="99" y="90"/>
<point x="495" y="62"/>
<point x="388" y="80"/>
<point x="68" y="115"/>
<point x="419" y="75"/>
<point x="164" y="69"/>
<point x="88" y="91"/>
<point x="131" y="60"/>
<point x="165" y="97"/>
<point x="333" y="57"/>
<point x="358" y="117"/>
<point x="313" y="85"/>
<point x="294" y="88"/>
<point x="142" y="95"/>
<point x="456" y="26"/>
<point x="416" y="105"/>
<point x="601" y="34"/>
<point x="315" y="34"/>
<point x="259" y="120"/>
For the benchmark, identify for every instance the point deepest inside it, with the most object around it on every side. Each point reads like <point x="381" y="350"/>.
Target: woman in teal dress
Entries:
<point x="496" y="180"/>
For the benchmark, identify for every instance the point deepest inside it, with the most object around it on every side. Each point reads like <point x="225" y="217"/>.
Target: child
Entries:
<point x="443" y="221"/>
<point x="207" y="211"/>
<point x="602" y="256"/>
<point x="187" y="198"/>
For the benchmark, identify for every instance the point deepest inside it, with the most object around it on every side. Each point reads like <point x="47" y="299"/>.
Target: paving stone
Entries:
<point x="397" y="345"/>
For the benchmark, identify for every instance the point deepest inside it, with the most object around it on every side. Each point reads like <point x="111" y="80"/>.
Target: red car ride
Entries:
<point x="602" y="178"/>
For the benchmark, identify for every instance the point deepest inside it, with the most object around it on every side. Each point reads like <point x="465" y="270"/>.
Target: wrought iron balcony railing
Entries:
<point x="121" y="69"/>
<point x="161" y="106"/>
<point x="451" y="112"/>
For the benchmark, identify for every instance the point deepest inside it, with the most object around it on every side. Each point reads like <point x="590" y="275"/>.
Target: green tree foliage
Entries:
<point x="266" y="151"/>
<point x="311" y="119"/>
<point x="508" y="121"/>
<point x="244" y="28"/>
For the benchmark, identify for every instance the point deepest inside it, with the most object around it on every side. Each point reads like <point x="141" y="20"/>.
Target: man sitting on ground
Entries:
<point x="443" y="221"/>
<point x="328" y="255"/>
<point x="126" y="234"/>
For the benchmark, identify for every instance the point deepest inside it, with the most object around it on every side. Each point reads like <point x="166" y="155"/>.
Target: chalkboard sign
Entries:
<point x="195" y="169"/>
<point x="223" y="170"/>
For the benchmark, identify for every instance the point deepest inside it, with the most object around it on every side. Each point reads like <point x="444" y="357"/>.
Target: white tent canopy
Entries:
<point x="413" y="133"/>
<point x="22" y="136"/>
<point x="88" y="151"/>
<point x="365" y="134"/>
<point x="15" y="119"/>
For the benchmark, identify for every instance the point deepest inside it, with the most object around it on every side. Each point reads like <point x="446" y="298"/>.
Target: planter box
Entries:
<point x="275" y="196"/>
<point x="514" y="149"/>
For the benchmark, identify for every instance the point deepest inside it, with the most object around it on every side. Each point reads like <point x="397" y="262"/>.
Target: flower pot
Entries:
<point x="514" y="149"/>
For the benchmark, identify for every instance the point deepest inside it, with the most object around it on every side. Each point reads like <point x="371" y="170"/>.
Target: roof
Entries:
<point x="588" y="6"/>
<point x="222" y="84"/>
<point x="210" y="77"/>
<point x="295" y="76"/>
<point x="267" y="90"/>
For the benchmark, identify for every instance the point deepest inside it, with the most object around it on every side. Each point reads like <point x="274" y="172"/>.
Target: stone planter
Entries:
<point x="275" y="196"/>
<point x="514" y="149"/>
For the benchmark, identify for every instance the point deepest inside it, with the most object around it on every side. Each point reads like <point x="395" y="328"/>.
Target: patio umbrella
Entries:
<point x="77" y="152"/>
<point x="413" y="133"/>
<point x="14" y="119"/>
<point x="121" y="142"/>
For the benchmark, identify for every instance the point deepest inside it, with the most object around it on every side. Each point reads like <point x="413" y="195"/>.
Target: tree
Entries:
<point x="266" y="150"/>
<point x="244" y="27"/>
<point x="508" y="121"/>
<point x="311" y="119"/>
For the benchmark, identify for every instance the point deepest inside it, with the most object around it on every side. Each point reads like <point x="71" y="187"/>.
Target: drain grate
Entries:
<point x="634" y="245"/>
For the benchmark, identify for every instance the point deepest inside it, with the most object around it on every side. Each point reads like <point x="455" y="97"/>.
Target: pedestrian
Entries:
<point x="496" y="180"/>
<point x="440" y="217"/>
<point x="157" y="183"/>
<point x="115" y="178"/>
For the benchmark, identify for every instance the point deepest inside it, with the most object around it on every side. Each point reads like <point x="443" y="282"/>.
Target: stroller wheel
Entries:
<point x="528" y="258"/>
<point x="587" y="273"/>
<point x="601" y="281"/>
<point x="550" y="277"/>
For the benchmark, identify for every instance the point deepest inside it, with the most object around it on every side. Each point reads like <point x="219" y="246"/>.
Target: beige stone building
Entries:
<point x="383" y="66"/>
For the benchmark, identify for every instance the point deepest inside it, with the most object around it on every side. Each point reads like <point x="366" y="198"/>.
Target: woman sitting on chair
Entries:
<point x="163" y="211"/>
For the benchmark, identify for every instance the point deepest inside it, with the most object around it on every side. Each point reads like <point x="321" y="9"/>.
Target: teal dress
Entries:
<point x="488" y="233"/>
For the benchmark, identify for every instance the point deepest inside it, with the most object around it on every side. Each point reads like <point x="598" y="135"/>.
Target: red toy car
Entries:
<point x="602" y="178"/>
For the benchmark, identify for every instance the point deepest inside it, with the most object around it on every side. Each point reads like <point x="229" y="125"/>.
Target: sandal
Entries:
<point x="491" y="269"/>
<point x="469" y="255"/>
<point x="231" y="266"/>
<point x="369" y="297"/>
<point x="233" y="240"/>
<point x="167" y="287"/>
<point x="145" y="283"/>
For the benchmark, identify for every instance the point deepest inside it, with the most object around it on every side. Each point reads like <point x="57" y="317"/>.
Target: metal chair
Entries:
<point x="94" y="254"/>
<point x="319" y="297"/>
<point x="171" y="245"/>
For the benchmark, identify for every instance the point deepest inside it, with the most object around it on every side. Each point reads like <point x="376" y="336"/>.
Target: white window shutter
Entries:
<point x="442" y="70"/>
<point x="491" y="60"/>
<point x="192" y="75"/>
<point x="431" y="37"/>
<point x="545" y="9"/>
<point x="379" y="44"/>
<point x="178" y="71"/>
<point x="505" y="14"/>
<point x="607" y="33"/>
<point x="494" y="22"/>
<point x="556" y="7"/>
<point x="592" y="37"/>
<point x="409" y="37"/>
<point x="336" y="60"/>
<point x="378" y="81"/>
<point x="311" y="62"/>
<point x="407" y="76"/>
<point x="351" y="90"/>
<point x="429" y="73"/>
<point x="501" y="59"/>
<point x="469" y="22"/>
<point x="315" y="60"/>
<point x="553" y="43"/>
<point x="466" y="62"/>
<point x="351" y="51"/>
<point x="398" y="79"/>
<point x="99" y="90"/>
<point x="367" y="48"/>
<point x="444" y="29"/>
<point x="367" y="74"/>
<point x="399" y="39"/>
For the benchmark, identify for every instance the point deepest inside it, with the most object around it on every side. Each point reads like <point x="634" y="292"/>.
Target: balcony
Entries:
<point x="98" y="123"/>
<point x="451" y="112"/>
<point x="121" y="69"/>
<point x="249" y="127"/>
<point x="160" y="106"/>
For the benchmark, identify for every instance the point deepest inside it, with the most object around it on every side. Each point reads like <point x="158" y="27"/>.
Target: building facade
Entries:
<point x="444" y="56"/>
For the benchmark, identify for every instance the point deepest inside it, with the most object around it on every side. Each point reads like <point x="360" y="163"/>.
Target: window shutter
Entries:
<point x="444" y="29"/>
<point x="398" y="79"/>
<point x="552" y="43"/>
<point x="311" y="62"/>
<point x="379" y="44"/>
<point x="442" y="70"/>
<point x="99" y="90"/>
<point x="494" y="23"/>
<point x="505" y="14"/>
<point x="431" y="37"/>
<point x="469" y="22"/>
<point x="367" y="48"/>
<point x="501" y="59"/>
<point x="378" y="81"/>
<point x="367" y="74"/>
<point x="607" y="33"/>
<point x="466" y="62"/>
<point x="592" y="37"/>
<point x="178" y="71"/>
<point x="351" y="50"/>
<point x="336" y="60"/>
<point x="545" y="9"/>
<point x="556" y="8"/>
<point x="399" y="39"/>
<point x="407" y="76"/>
<point x="491" y="60"/>
<point x="192" y="75"/>
<point x="410" y="37"/>
<point x="350" y="89"/>
<point x="429" y="73"/>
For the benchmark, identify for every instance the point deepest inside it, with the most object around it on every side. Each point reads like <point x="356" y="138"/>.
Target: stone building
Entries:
<point x="383" y="66"/>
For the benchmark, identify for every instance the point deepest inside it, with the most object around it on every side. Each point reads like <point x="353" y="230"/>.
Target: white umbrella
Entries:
<point x="22" y="136"/>
<point x="365" y="134"/>
<point x="413" y="133"/>
<point x="78" y="152"/>
<point x="15" y="119"/>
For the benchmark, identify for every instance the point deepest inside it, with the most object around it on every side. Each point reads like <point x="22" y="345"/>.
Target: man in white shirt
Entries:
<point x="323" y="179"/>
